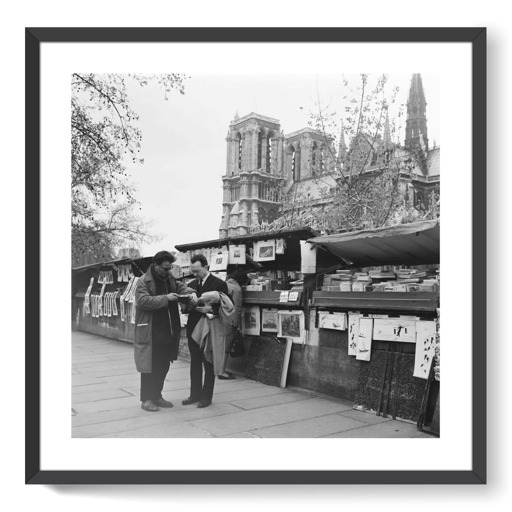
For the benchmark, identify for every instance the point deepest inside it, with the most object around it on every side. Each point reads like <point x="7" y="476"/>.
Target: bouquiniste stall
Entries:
<point x="352" y="315"/>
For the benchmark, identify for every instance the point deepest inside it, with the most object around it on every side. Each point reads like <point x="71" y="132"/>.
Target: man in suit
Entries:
<point x="201" y="393"/>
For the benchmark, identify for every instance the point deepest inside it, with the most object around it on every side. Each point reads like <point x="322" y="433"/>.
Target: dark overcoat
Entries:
<point x="146" y="302"/>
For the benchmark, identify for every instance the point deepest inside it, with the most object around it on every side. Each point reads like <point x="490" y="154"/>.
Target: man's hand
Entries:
<point x="193" y="299"/>
<point x="172" y="297"/>
<point x="204" y="309"/>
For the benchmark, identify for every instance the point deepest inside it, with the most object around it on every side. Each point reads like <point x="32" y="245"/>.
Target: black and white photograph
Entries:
<point x="269" y="322"/>
<point x="220" y="189"/>
<point x="344" y="171"/>
<point x="265" y="250"/>
<point x="251" y="321"/>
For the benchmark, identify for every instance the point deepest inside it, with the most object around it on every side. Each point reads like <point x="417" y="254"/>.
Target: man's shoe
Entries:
<point x="149" y="406"/>
<point x="190" y="400"/>
<point x="203" y="403"/>
<point x="226" y="377"/>
<point x="162" y="402"/>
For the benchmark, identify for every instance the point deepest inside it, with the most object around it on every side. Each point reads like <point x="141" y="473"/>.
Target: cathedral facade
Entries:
<point x="262" y="162"/>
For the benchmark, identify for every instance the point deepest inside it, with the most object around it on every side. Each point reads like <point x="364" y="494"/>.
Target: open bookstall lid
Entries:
<point x="406" y="244"/>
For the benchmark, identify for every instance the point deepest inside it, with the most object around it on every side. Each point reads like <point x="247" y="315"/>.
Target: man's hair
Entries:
<point x="162" y="256"/>
<point x="200" y="258"/>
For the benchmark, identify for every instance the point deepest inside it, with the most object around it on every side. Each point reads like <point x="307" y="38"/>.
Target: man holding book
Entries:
<point x="157" y="328"/>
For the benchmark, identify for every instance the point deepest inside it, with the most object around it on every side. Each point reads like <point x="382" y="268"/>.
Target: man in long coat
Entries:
<point x="157" y="328"/>
<point x="201" y="392"/>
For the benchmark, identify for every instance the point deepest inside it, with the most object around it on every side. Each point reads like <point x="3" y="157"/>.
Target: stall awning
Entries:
<point x="406" y="244"/>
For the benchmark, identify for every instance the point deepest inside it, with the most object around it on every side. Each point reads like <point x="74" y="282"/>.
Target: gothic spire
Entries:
<point x="342" y="147"/>
<point x="416" y="123"/>
<point x="387" y="133"/>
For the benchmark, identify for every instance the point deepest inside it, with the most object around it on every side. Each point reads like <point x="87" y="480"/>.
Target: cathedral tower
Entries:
<point x="254" y="167"/>
<point x="416" y="123"/>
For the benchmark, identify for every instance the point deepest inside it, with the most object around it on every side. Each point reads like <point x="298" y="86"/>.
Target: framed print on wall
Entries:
<point x="456" y="57"/>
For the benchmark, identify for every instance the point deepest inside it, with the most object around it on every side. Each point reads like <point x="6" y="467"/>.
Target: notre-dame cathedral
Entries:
<point x="261" y="160"/>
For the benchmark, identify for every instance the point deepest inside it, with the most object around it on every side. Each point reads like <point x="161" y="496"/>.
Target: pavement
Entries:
<point x="105" y="403"/>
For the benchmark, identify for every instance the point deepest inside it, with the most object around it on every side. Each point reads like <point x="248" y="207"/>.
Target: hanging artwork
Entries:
<point x="265" y="250"/>
<point x="280" y="246"/>
<point x="337" y="321"/>
<point x="132" y="300"/>
<point x="395" y="329"/>
<point x="114" y="304"/>
<point x="307" y="257"/>
<point x="251" y="321"/>
<point x="353" y="333"/>
<point x="425" y="348"/>
<point x="269" y="320"/>
<point x="87" y="308"/>
<point x="219" y="260"/>
<point x="291" y="325"/>
<point x="364" y="339"/>
<point x="237" y="255"/>
<point x="100" y="299"/>
<point x="122" y="300"/>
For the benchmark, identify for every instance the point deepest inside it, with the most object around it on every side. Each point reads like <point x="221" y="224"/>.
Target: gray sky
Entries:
<point x="179" y="185"/>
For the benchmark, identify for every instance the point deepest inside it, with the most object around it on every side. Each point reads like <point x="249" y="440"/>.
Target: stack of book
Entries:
<point x="429" y="285"/>
<point x="381" y="274"/>
<point x="340" y="281"/>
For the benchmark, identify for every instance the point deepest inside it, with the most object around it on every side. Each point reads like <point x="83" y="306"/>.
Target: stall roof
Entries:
<point x="406" y="244"/>
<point x="300" y="233"/>
<point x="102" y="264"/>
<point x="110" y="263"/>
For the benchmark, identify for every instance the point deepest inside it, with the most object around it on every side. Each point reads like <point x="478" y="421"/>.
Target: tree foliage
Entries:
<point x="364" y="179"/>
<point x="105" y="139"/>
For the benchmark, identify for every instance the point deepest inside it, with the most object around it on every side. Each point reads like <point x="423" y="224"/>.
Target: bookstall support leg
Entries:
<point x="388" y="384"/>
<point x="383" y="381"/>
<point x="397" y="381"/>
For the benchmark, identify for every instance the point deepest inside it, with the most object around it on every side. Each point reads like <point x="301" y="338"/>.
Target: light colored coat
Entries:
<point x="210" y="334"/>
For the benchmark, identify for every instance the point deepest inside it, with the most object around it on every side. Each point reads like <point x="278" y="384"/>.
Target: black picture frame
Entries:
<point x="34" y="37"/>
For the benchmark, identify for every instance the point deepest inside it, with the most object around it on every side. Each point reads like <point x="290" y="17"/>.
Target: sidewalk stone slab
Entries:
<point x="105" y="416"/>
<point x="88" y="358"/>
<point x="90" y="388"/>
<point x="86" y="380"/>
<point x="387" y="429"/>
<point x="97" y="396"/>
<point x="107" y="405"/>
<point x="265" y="401"/>
<point x="230" y="396"/>
<point x="112" y="372"/>
<point x="102" y="365"/>
<point x="165" y="416"/>
<point x="242" y="435"/>
<point x="314" y="427"/>
<point x="365" y="417"/>
<point x="247" y="421"/>
<point x="164" y="431"/>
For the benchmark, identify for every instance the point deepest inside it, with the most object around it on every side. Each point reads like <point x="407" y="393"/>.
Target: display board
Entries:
<point x="266" y="360"/>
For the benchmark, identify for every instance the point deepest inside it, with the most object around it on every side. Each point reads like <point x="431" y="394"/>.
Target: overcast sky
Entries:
<point x="184" y="148"/>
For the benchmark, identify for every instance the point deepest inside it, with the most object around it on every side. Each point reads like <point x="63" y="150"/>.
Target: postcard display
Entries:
<point x="103" y="305"/>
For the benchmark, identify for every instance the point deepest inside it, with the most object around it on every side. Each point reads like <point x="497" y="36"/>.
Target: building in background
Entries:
<point x="264" y="166"/>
